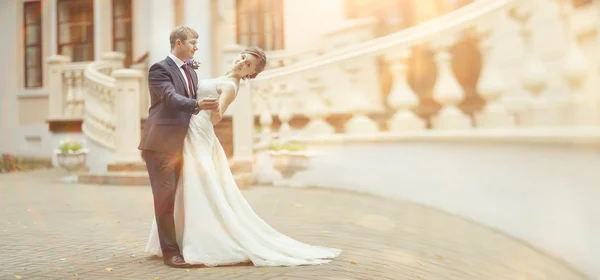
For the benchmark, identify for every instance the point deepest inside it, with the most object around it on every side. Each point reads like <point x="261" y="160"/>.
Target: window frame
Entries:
<point x="39" y="45"/>
<point x="91" y="41"/>
<point x="255" y="10"/>
<point x="128" y="39"/>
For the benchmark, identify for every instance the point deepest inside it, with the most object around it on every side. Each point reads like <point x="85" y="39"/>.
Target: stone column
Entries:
<point x="243" y="125"/>
<point x="115" y="59"/>
<point x="53" y="16"/>
<point x="127" y="108"/>
<point x="47" y="40"/>
<point x="102" y="28"/>
<point x="140" y="28"/>
<point x="198" y="16"/>
<point x="162" y="21"/>
<point x="9" y="122"/>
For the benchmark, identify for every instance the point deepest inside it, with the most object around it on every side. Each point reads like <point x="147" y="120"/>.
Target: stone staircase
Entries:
<point x="135" y="174"/>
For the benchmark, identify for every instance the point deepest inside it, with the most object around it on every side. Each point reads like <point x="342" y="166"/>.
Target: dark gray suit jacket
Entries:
<point x="170" y="110"/>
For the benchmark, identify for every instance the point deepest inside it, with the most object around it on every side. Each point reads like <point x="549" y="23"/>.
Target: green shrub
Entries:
<point x="67" y="146"/>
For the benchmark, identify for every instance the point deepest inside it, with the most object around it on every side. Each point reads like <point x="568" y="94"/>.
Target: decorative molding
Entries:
<point x="32" y="93"/>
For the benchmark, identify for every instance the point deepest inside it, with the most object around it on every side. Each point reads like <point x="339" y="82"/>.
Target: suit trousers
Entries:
<point x="164" y="170"/>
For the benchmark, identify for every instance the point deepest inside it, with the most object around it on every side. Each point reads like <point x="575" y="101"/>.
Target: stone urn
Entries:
<point x="71" y="160"/>
<point x="288" y="163"/>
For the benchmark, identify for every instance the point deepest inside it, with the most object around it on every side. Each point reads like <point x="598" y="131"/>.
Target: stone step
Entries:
<point x="121" y="167"/>
<point x="140" y="178"/>
<point x="236" y="167"/>
<point x="128" y="178"/>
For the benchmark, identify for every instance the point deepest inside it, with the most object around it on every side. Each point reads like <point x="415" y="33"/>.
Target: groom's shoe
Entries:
<point x="176" y="261"/>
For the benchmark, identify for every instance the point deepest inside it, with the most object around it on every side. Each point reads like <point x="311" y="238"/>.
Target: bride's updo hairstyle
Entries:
<point x="261" y="60"/>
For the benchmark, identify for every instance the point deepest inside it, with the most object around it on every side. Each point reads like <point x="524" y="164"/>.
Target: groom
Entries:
<point x="172" y="86"/>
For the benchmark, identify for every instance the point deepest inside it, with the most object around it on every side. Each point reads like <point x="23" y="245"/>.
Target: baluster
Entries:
<point x="533" y="75"/>
<point x="447" y="91"/>
<point x="70" y="109"/>
<point x="315" y="108"/>
<point x="491" y="85"/>
<point x="266" y="118"/>
<point x="265" y="173"/>
<point x="112" y="118"/>
<point x="402" y="98"/>
<point x="285" y="116"/>
<point x="78" y="93"/>
<point x="357" y="103"/>
<point x="582" y="110"/>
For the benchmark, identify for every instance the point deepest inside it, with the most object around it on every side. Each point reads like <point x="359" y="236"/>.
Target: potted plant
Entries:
<point x="71" y="155"/>
<point x="289" y="157"/>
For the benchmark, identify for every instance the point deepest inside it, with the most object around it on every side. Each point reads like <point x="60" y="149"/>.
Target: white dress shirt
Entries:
<point x="179" y="64"/>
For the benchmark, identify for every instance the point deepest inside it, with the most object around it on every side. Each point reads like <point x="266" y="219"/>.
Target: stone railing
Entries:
<point x="537" y="85"/>
<point x="513" y="87"/>
<point x="279" y="59"/>
<point x="112" y="98"/>
<point x="99" y="121"/>
<point x="103" y="96"/>
<point x="66" y="85"/>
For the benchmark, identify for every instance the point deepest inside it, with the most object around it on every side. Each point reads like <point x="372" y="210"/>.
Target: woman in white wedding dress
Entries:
<point x="214" y="223"/>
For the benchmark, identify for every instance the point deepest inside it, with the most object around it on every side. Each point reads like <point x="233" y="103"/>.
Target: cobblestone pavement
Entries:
<point x="60" y="231"/>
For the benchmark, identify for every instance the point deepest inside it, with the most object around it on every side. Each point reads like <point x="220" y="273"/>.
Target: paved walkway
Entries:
<point x="57" y="231"/>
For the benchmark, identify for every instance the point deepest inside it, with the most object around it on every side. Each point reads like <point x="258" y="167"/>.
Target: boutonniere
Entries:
<point x="193" y="63"/>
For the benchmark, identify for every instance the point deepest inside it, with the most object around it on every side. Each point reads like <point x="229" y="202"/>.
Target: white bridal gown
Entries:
<point x="215" y="225"/>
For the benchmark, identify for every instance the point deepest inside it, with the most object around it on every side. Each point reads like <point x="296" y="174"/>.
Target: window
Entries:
<point x="32" y="14"/>
<point x="260" y="23"/>
<point x="76" y="29"/>
<point x="122" y="33"/>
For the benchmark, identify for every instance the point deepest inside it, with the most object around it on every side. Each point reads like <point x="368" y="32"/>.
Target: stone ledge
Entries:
<point x="64" y="125"/>
<point x="140" y="178"/>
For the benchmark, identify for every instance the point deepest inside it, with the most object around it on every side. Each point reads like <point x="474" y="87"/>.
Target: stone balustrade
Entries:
<point x="105" y="97"/>
<point x="66" y="85"/>
<point x="515" y="96"/>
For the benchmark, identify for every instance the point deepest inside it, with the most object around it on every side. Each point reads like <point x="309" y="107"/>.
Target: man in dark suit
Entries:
<point x="172" y="86"/>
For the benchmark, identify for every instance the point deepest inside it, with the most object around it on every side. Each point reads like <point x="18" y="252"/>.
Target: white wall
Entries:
<point x="198" y="16"/>
<point x="8" y="79"/>
<point x="305" y="20"/>
<point x="546" y="195"/>
<point x="161" y="21"/>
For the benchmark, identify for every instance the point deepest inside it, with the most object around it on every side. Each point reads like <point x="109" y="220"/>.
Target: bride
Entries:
<point x="214" y="223"/>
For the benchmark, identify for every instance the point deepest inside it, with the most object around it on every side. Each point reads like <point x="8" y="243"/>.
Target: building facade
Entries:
<point x="86" y="29"/>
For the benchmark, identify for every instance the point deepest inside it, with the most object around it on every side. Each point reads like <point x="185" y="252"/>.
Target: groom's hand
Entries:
<point x="208" y="103"/>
